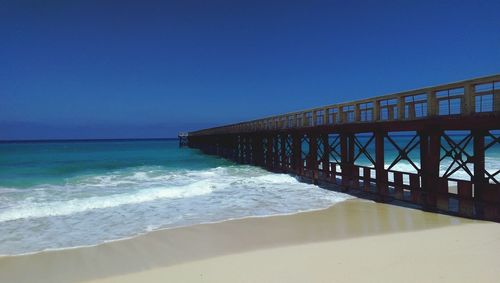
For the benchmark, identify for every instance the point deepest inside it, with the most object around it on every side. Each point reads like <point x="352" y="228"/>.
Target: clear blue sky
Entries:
<point x="117" y="69"/>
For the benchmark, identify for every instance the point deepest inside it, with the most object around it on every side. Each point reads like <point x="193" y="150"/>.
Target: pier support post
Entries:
<point x="297" y="163"/>
<point x="218" y="145"/>
<point x="243" y="148"/>
<point x="347" y="162"/>
<point x="430" y="154"/>
<point x="325" y="158"/>
<point x="248" y="149"/>
<point x="479" y="180"/>
<point x="239" y="146"/>
<point x="239" y="149"/>
<point x="234" y="148"/>
<point x="257" y="151"/>
<point x="215" y="145"/>
<point x="223" y="145"/>
<point x="269" y="151"/>
<point x="276" y="152"/>
<point x="209" y="145"/>
<point x="283" y="139"/>
<point x="381" y="174"/>
<point x="312" y="162"/>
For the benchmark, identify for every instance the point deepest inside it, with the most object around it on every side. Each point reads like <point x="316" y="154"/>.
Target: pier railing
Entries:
<point x="470" y="97"/>
<point x="427" y="146"/>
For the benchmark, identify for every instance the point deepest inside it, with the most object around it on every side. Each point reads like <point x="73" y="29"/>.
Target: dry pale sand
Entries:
<point x="352" y="241"/>
<point x="451" y="254"/>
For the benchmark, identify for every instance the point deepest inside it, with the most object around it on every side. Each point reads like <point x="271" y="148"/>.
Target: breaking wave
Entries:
<point x="87" y="210"/>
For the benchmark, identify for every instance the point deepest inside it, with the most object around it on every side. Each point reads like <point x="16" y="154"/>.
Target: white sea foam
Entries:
<point x="28" y="209"/>
<point x="92" y="209"/>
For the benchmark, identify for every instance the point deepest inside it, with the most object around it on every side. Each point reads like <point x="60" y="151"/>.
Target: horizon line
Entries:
<point x="84" y="140"/>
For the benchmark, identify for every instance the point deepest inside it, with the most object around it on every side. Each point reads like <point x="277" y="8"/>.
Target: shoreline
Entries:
<point x="352" y="197"/>
<point x="344" y="221"/>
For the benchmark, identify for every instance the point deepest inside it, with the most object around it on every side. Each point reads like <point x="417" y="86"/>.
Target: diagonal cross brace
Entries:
<point x="455" y="152"/>
<point x="362" y="149"/>
<point x="403" y="152"/>
<point x="333" y="149"/>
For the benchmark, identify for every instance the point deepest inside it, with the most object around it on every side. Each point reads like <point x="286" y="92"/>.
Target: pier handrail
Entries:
<point x="462" y="98"/>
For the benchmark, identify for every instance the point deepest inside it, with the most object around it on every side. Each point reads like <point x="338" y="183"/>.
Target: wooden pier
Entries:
<point x="449" y="132"/>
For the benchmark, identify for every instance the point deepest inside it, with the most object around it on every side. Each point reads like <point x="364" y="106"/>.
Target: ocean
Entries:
<point x="57" y="195"/>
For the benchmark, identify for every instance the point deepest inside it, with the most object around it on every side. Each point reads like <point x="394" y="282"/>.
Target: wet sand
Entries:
<point x="352" y="241"/>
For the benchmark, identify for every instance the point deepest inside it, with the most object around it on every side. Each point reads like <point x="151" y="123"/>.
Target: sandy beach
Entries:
<point x="353" y="241"/>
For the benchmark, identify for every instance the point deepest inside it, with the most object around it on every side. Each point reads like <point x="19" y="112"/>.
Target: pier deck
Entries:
<point x="448" y="129"/>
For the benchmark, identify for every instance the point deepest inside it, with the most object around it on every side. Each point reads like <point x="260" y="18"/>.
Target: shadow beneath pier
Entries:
<point x="372" y="195"/>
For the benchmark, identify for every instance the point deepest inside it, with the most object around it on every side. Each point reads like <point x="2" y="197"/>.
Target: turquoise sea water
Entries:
<point x="30" y="163"/>
<point x="57" y="195"/>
